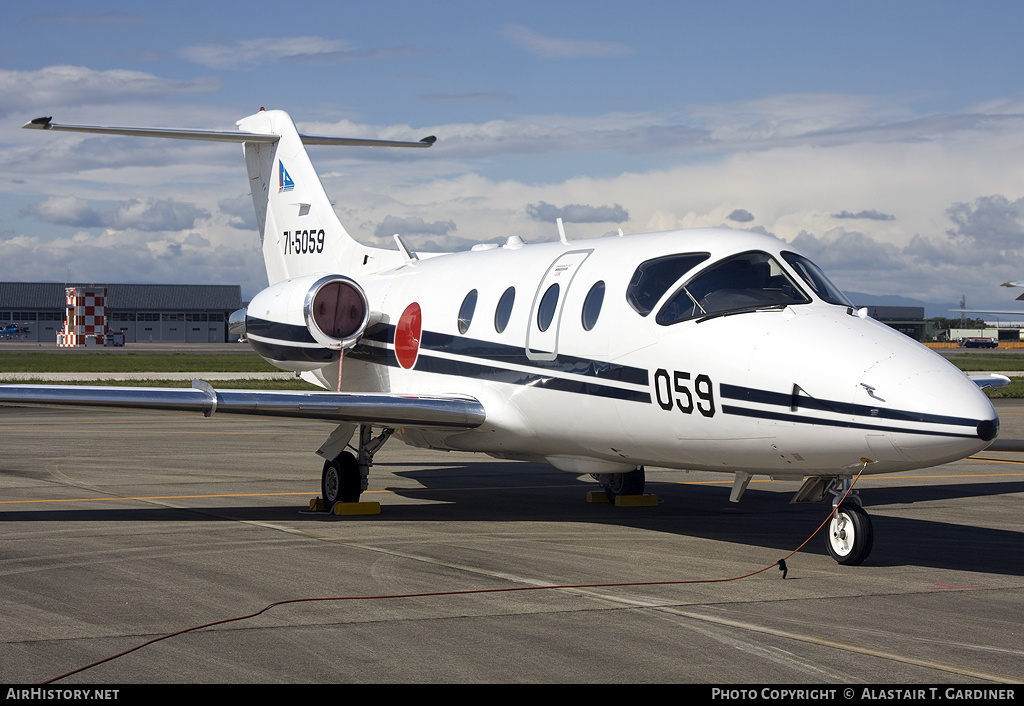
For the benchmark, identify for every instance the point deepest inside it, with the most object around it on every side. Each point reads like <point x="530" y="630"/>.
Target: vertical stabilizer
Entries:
<point x="299" y="230"/>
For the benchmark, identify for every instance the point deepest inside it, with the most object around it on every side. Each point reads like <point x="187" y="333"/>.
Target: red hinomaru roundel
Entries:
<point x="407" y="336"/>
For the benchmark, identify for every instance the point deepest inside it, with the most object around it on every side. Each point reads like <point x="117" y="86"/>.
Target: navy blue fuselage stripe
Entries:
<point x="797" y="419"/>
<point x="495" y="373"/>
<point x="278" y="331"/>
<point x="781" y="399"/>
<point x="284" y="352"/>
<point x="504" y="353"/>
<point x="447" y="366"/>
<point x="513" y="355"/>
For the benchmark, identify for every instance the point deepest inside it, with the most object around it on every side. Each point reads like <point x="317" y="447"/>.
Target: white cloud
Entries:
<point x="991" y="221"/>
<point x="240" y="211"/>
<point x="868" y="214"/>
<point x="122" y="256"/>
<point x="137" y="214"/>
<point x="559" y="48"/>
<point x="58" y="86"/>
<point x="577" y="213"/>
<point x="413" y="225"/>
<point x="250" y="53"/>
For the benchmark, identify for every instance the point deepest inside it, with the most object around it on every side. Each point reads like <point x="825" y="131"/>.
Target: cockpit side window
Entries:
<point x="816" y="279"/>
<point x="653" y="278"/>
<point x="745" y="282"/>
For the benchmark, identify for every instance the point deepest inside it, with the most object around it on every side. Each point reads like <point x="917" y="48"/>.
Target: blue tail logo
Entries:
<point x="284" y="179"/>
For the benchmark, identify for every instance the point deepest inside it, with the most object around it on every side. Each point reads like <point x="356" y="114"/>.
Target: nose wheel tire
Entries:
<point x="849" y="535"/>
<point x="340" y="481"/>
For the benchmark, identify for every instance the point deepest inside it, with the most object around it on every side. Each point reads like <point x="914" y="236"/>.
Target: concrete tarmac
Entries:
<point x="118" y="528"/>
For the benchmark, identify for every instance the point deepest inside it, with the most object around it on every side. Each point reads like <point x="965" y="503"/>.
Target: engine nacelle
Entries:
<point x="304" y="323"/>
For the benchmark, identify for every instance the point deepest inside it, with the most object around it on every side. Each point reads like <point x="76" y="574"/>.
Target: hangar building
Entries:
<point x="187" y="313"/>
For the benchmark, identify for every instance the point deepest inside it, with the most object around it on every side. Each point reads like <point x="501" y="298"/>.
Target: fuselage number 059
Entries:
<point x="672" y="390"/>
<point x="301" y="242"/>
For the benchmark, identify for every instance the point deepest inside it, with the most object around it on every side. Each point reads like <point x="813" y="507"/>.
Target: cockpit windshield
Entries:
<point x="816" y="279"/>
<point x="653" y="278"/>
<point x="745" y="282"/>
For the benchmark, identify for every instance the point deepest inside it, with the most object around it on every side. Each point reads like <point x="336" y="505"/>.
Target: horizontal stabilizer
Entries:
<point x="446" y="411"/>
<point x="218" y="136"/>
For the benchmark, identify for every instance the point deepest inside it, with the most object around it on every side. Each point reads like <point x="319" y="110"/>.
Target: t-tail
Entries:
<point x="299" y="230"/>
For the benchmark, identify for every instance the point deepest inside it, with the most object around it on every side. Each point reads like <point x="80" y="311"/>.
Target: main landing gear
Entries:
<point x="341" y="481"/>
<point x="616" y="484"/>
<point x="344" y="477"/>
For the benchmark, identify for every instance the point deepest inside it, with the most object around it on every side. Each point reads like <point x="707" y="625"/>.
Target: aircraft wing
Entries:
<point x="446" y="411"/>
<point x="992" y="380"/>
<point x="1018" y="312"/>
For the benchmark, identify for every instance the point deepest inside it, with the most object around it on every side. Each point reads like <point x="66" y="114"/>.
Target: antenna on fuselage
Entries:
<point x="408" y="254"/>
<point x="561" y="231"/>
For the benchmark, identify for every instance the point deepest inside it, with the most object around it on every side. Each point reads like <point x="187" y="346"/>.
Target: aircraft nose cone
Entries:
<point x="947" y="416"/>
<point x="988" y="429"/>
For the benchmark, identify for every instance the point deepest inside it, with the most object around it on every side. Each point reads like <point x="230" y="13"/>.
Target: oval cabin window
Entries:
<point x="504" y="311"/>
<point x="466" y="311"/>
<point x="548" y="305"/>
<point x="592" y="305"/>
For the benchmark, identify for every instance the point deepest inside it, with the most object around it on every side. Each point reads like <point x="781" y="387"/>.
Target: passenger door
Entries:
<point x="546" y="311"/>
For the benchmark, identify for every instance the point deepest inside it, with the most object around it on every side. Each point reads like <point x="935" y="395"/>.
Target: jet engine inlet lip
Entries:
<point x="988" y="429"/>
<point x="310" y="314"/>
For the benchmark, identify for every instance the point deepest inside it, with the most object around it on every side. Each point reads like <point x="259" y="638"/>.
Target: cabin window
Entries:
<point x="746" y="282"/>
<point x="504" y="311"/>
<point x="466" y="311"/>
<point x="592" y="305"/>
<point x="653" y="278"/>
<point x="816" y="279"/>
<point x="546" y="310"/>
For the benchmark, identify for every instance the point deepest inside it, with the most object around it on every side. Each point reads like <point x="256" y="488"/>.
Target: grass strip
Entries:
<point x="243" y="362"/>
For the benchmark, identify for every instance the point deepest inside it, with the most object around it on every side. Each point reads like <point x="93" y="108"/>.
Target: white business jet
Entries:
<point x="710" y="349"/>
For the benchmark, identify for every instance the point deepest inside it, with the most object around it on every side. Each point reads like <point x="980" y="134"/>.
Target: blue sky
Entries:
<point x="883" y="139"/>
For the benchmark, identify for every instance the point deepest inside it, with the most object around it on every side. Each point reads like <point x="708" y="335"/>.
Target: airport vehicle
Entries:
<point x="708" y="349"/>
<point x="14" y="331"/>
<point x="978" y="342"/>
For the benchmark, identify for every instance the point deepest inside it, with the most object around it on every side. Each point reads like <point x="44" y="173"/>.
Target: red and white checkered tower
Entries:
<point x="86" y="320"/>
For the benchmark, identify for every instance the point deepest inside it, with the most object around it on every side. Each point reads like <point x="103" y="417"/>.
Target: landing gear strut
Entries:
<point x="344" y="477"/>
<point x="616" y="484"/>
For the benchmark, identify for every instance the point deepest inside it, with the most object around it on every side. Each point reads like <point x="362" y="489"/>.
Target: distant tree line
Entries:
<point x="941" y="322"/>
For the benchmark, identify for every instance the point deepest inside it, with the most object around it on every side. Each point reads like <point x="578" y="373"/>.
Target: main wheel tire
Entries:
<point x="850" y="535"/>
<point x="616" y="484"/>
<point x="340" y="481"/>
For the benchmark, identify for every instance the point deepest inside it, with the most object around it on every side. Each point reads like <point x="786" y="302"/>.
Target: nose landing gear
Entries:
<point x="849" y="534"/>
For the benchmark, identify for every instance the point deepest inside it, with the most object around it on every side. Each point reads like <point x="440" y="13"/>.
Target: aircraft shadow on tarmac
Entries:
<point x="521" y="492"/>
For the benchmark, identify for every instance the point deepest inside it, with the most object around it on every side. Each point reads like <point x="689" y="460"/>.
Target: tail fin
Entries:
<point x="299" y="230"/>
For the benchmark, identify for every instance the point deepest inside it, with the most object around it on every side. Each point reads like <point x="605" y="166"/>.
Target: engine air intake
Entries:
<point x="336" y="311"/>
